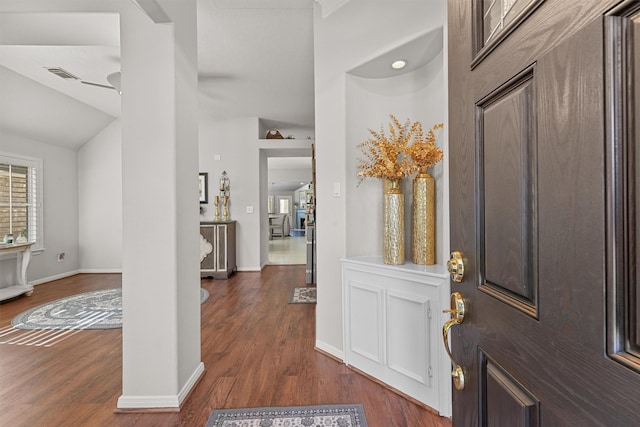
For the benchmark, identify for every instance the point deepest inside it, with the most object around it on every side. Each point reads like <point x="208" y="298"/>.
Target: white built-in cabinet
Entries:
<point x="392" y="326"/>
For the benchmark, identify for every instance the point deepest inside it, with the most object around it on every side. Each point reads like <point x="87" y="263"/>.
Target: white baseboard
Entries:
<point x="335" y="352"/>
<point x="148" y="402"/>
<point x="249" y="269"/>
<point x="54" y="277"/>
<point x="191" y="382"/>
<point x="164" y="401"/>
<point x="100" y="270"/>
<point x="72" y="273"/>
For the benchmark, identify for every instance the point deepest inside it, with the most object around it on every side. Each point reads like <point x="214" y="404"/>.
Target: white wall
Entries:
<point x="235" y="141"/>
<point x="60" y="202"/>
<point x="418" y="96"/>
<point x="290" y="175"/>
<point x="100" y="201"/>
<point x="100" y="190"/>
<point x="345" y="39"/>
<point x="160" y="265"/>
<point x="263" y="166"/>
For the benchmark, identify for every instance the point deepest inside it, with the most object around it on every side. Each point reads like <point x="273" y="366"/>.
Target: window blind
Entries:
<point x="19" y="199"/>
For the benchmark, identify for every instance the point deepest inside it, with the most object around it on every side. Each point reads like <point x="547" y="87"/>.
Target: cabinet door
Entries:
<point x="208" y="232"/>
<point x="221" y="247"/>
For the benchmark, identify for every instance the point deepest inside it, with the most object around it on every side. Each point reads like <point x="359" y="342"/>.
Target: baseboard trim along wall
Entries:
<point x="54" y="277"/>
<point x="72" y="273"/>
<point x="100" y="271"/>
<point x="167" y="403"/>
<point x="330" y="350"/>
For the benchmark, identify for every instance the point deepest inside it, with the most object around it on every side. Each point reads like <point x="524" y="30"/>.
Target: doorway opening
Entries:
<point x="289" y="178"/>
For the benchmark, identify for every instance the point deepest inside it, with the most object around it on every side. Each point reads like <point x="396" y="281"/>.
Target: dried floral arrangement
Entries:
<point x="423" y="151"/>
<point x="404" y="152"/>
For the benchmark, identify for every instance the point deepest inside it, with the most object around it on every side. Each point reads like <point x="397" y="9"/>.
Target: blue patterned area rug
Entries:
<point x="89" y="310"/>
<point x="290" y="416"/>
<point x="303" y="296"/>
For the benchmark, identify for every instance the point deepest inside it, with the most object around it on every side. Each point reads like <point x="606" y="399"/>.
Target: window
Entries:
<point x="284" y="206"/>
<point x="20" y="207"/>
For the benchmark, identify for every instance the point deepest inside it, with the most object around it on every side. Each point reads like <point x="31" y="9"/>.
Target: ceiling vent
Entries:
<point x="60" y="72"/>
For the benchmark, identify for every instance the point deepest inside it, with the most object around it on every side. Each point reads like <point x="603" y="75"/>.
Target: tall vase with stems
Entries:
<point x="393" y="223"/>
<point x="423" y="247"/>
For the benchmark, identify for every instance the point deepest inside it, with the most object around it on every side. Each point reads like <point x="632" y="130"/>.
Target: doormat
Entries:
<point x="292" y="416"/>
<point x="302" y="296"/>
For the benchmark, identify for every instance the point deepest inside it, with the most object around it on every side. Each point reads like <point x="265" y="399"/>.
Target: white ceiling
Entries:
<point x="255" y="59"/>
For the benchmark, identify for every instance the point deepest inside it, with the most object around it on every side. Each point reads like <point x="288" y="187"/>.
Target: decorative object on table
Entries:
<point x="22" y="237"/>
<point x="293" y="416"/>
<point x="216" y="203"/>
<point x="203" y="187"/>
<point x="425" y="154"/>
<point x="303" y="295"/>
<point x="224" y="195"/>
<point x="8" y="238"/>
<point x="89" y="310"/>
<point x="274" y="134"/>
<point x="225" y="208"/>
<point x="385" y="157"/>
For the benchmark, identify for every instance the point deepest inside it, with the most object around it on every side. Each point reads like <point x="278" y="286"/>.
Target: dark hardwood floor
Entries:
<point x="258" y="350"/>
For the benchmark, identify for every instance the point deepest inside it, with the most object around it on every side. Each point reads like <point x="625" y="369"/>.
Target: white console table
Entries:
<point x="23" y="257"/>
<point x="392" y="320"/>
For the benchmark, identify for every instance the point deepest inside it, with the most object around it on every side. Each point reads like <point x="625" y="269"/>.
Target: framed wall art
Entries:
<point x="203" y="187"/>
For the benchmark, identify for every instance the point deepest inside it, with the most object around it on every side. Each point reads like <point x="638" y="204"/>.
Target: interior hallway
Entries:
<point x="258" y="350"/>
<point x="288" y="250"/>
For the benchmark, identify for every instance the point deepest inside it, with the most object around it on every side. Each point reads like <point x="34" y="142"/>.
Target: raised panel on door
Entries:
<point x="408" y="335"/>
<point x="366" y="320"/>
<point x="506" y="402"/>
<point x="623" y="76"/>
<point x="507" y="183"/>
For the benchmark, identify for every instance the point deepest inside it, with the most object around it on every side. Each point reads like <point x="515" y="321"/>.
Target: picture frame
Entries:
<point x="203" y="187"/>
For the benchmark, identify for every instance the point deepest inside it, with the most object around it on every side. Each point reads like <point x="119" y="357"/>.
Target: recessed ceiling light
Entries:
<point x="399" y="64"/>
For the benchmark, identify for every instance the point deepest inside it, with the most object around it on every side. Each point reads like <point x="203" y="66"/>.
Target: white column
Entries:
<point x="160" y="280"/>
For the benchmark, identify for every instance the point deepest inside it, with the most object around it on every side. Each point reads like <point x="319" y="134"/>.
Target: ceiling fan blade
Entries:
<point x="98" y="84"/>
<point x="114" y="79"/>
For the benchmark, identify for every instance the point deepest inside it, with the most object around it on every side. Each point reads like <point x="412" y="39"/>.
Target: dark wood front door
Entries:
<point x="544" y="191"/>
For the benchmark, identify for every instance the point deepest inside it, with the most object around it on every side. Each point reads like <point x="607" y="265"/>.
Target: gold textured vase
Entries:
<point x="423" y="237"/>
<point x="393" y="223"/>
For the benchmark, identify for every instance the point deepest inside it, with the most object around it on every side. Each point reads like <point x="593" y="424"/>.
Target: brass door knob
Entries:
<point x="455" y="266"/>
<point x="457" y="317"/>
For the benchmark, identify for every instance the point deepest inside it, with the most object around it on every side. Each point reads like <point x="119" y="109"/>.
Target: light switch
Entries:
<point x="336" y="189"/>
<point x="249" y="209"/>
<point x="216" y="157"/>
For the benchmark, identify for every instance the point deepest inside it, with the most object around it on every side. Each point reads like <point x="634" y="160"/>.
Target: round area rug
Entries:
<point x="89" y="310"/>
